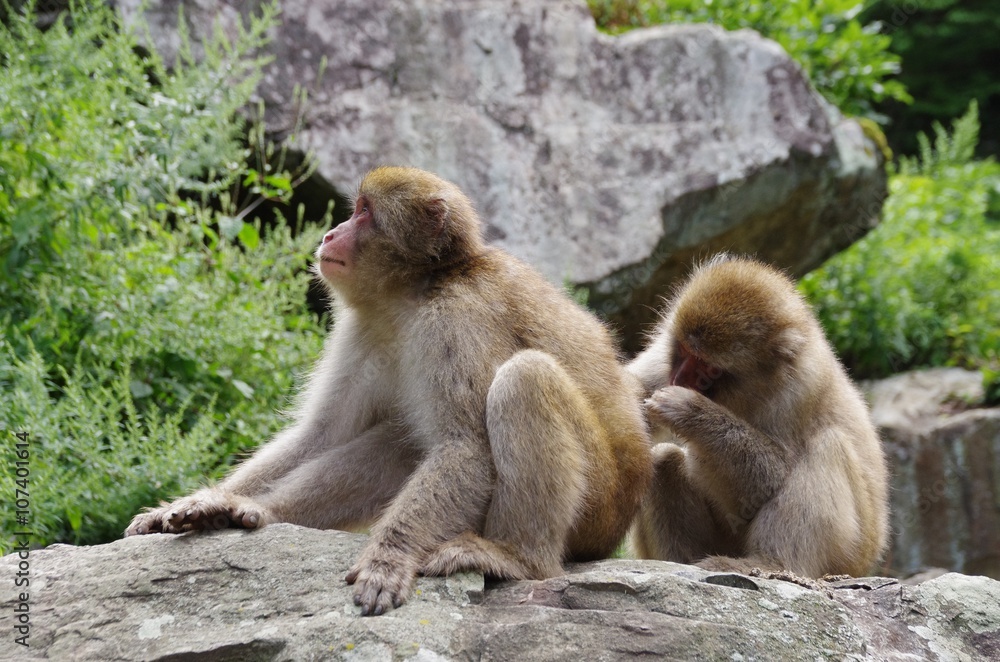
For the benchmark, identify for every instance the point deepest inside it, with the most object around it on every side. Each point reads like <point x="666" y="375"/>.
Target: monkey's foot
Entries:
<point x="204" y="510"/>
<point x="381" y="581"/>
<point x="471" y="552"/>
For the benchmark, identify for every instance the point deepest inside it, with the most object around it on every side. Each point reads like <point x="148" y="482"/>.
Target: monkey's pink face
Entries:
<point x="336" y="253"/>
<point x="691" y="371"/>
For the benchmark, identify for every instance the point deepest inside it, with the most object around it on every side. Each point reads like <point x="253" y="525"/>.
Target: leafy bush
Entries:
<point x="923" y="288"/>
<point x="91" y="131"/>
<point x="93" y="456"/>
<point x="947" y="47"/>
<point x="189" y="353"/>
<point x="849" y="63"/>
<point x="149" y="329"/>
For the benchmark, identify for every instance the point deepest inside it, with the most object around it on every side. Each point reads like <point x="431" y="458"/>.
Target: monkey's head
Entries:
<point x="407" y="224"/>
<point x="735" y="320"/>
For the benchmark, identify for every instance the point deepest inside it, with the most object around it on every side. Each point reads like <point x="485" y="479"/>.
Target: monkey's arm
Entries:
<point x="736" y="464"/>
<point x="335" y="407"/>
<point x="446" y="495"/>
<point x="340" y="377"/>
<point x="647" y="367"/>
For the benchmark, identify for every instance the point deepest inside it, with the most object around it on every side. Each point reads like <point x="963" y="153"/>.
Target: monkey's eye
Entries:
<point x="362" y="209"/>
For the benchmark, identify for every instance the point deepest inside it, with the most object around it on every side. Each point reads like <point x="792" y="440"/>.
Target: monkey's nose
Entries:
<point x="328" y="236"/>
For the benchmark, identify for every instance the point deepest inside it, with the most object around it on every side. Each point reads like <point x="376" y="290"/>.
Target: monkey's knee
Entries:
<point x="538" y="423"/>
<point x="527" y="373"/>
<point x="532" y="390"/>
<point x="534" y="406"/>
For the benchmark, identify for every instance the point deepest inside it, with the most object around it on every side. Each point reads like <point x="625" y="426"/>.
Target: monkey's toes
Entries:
<point x="443" y="562"/>
<point x="380" y="586"/>
<point x="144" y="524"/>
<point x="246" y="518"/>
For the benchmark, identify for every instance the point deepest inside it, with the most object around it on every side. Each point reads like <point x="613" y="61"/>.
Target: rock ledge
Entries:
<point x="279" y="594"/>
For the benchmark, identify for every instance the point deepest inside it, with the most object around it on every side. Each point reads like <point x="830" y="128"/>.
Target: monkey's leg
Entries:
<point x="676" y="522"/>
<point x="537" y="420"/>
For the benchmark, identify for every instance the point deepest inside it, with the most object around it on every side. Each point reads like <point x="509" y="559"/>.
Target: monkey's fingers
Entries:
<point x="245" y="517"/>
<point x="380" y="586"/>
<point x="188" y="515"/>
<point x="671" y="403"/>
<point x="145" y="523"/>
<point x="196" y="514"/>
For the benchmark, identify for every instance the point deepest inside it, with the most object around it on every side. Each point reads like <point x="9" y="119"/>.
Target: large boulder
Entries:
<point x="607" y="162"/>
<point x="944" y="449"/>
<point x="279" y="594"/>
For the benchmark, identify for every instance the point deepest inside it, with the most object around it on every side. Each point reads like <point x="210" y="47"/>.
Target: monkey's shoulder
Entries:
<point x="498" y="298"/>
<point x="494" y="278"/>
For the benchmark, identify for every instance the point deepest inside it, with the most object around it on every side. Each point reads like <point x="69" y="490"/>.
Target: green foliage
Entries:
<point x="160" y="133"/>
<point x="954" y="149"/>
<point x="847" y="61"/>
<point x="93" y="456"/>
<point x="149" y="329"/>
<point x="949" y="49"/>
<point x="923" y="288"/>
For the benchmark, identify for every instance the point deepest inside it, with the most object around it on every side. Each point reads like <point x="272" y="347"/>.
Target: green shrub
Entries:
<point x="93" y="457"/>
<point x="90" y="132"/>
<point x="947" y="47"/>
<point x="149" y="329"/>
<point x="188" y="356"/>
<point x="923" y="288"/>
<point x="849" y="63"/>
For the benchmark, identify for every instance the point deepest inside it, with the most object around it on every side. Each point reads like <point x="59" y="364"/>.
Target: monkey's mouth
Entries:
<point x="332" y="261"/>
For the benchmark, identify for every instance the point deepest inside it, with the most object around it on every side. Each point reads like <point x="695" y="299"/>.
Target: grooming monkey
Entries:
<point x="465" y="407"/>
<point x="773" y="462"/>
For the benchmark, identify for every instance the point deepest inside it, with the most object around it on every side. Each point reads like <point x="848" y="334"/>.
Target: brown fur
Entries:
<point x="776" y="461"/>
<point x="465" y="406"/>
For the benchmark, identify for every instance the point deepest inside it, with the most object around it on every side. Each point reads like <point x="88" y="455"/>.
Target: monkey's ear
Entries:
<point x="790" y="343"/>
<point x="437" y="213"/>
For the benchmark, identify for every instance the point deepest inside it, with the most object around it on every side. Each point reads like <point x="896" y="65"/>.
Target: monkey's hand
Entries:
<point x="208" y="509"/>
<point x="382" y="580"/>
<point x="677" y="408"/>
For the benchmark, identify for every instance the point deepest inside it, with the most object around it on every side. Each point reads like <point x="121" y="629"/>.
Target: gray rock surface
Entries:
<point x="944" y="449"/>
<point x="279" y="594"/>
<point x="606" y="162"/>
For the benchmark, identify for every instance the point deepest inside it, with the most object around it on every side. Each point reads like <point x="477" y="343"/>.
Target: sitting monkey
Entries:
<point x="772" y="460"/>
<point x="464" y="407"/>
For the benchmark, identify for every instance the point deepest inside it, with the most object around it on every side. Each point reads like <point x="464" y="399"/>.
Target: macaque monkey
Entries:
<point x="464" y="408"/>
<point x="772" y="460"/>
